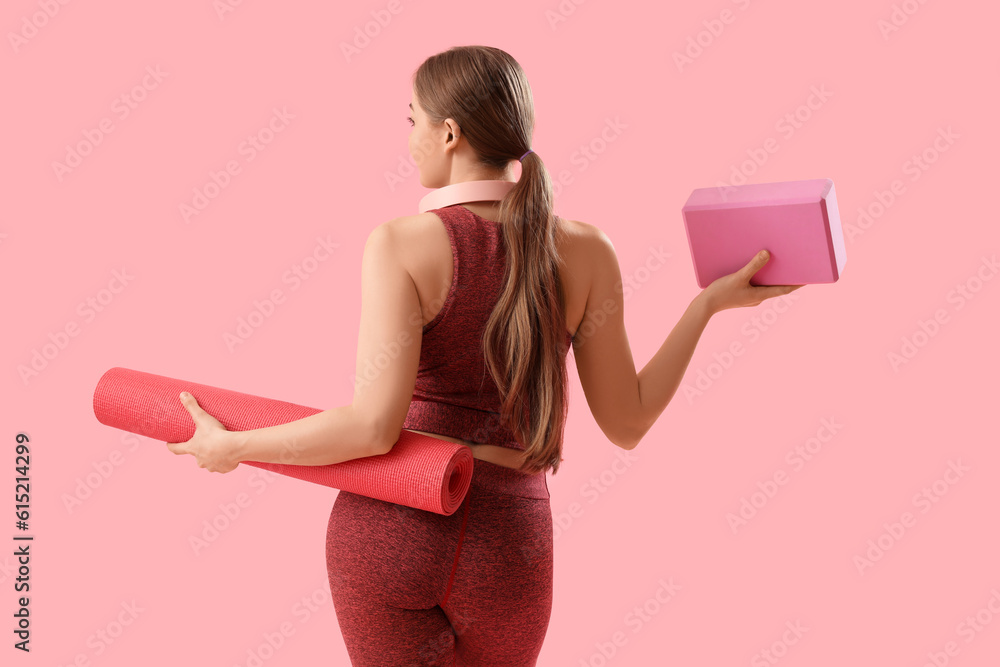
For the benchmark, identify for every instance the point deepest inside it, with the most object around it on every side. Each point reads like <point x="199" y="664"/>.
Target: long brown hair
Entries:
<point x="484" y="90"/>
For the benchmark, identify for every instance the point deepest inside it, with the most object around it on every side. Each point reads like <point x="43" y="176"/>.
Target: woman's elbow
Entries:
<point x="632" y="436"/>
<point x="376" y="434"/>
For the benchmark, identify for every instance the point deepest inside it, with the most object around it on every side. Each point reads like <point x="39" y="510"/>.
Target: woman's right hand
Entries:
<point x="735" y="290"/>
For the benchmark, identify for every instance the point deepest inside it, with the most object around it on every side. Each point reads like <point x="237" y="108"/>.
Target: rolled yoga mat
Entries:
<point x="419" y="471"/>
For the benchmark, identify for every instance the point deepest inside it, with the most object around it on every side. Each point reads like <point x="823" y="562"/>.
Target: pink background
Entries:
<point x="826" y="356"/>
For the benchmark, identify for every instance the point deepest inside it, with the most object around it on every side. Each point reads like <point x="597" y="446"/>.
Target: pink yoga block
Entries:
<point x="796" y="221"/>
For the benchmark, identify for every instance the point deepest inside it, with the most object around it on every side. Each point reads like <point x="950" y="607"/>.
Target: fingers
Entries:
<point x="771" y="291"/>
<point x="197" y="412"/>
<point x="767" y="291"/>
<point x="190" y="403"/>
<point x="755" y="264"/>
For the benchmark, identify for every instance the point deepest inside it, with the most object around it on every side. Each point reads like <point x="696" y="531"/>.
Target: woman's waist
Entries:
<point x="462" y="424"/>
<point x="497" y="470"/>
<point x="508" y="457"/>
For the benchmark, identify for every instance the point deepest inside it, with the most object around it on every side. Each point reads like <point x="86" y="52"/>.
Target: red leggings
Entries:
<point x="415" y="588"/>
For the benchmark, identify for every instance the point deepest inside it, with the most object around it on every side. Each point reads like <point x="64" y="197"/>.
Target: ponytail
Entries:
<point x="524" y="343"/>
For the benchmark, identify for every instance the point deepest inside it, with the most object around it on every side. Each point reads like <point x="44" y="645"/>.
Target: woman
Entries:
<point x="492" y="292"/>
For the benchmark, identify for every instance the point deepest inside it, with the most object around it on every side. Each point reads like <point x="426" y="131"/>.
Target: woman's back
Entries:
<point x="430" y="261"/>
<point x="593" y="311"/>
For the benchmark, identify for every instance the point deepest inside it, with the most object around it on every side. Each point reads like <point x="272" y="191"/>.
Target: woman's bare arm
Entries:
<point x="624" y="403"/>
<point x="662" y="375"/>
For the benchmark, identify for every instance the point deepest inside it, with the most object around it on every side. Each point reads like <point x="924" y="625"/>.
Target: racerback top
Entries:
<point x="455" y="395"/>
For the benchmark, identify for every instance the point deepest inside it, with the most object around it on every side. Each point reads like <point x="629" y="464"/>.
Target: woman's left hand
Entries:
<point x="211" y="444"/>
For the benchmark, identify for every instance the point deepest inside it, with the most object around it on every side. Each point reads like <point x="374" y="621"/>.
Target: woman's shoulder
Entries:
<point x="582" y="240"/>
